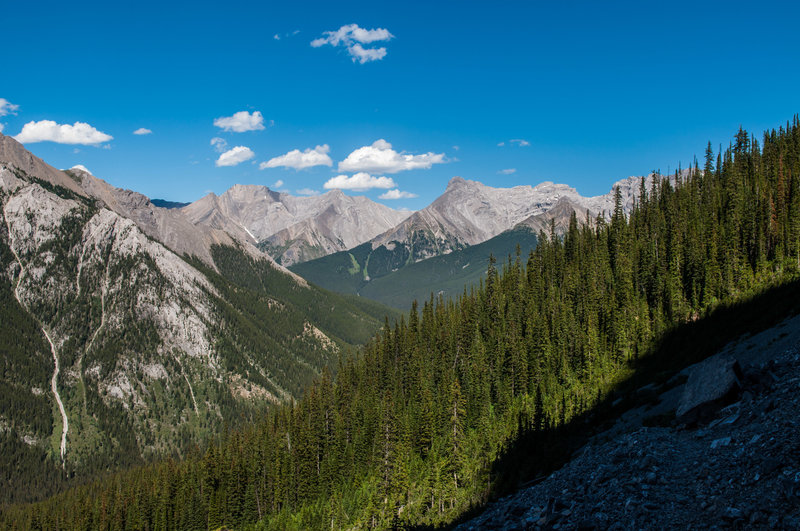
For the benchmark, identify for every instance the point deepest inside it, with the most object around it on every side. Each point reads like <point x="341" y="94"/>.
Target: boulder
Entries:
<point x="712" y="384"/>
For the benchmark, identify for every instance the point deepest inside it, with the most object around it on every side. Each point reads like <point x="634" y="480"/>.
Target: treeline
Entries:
<point x="408" y="433"/>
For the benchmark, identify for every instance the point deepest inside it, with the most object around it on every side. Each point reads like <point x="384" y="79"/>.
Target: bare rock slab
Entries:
<point x="711" y="384"/>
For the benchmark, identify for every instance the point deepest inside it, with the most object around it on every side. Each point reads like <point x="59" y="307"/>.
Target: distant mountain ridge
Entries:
<point x="294" y="229"/>
<point x="445" y="247"/>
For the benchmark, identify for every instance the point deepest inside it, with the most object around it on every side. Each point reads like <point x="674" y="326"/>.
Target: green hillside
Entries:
<point x="355" y="271"/>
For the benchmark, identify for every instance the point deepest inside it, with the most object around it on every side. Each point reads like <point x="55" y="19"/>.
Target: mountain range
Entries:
<point x="293" y="229"/>
<point x="144" y="329"/>
<point x="129" y="332"/>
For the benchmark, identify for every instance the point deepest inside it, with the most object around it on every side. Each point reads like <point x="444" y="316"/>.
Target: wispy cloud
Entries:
<point x="50" y="131"/>
<point x="353" y="37"/>
<point x="6" y="107"/>
<point x="301" y="159"/>
<point x="359" y="182"/>
<point x="397" y="194"/>
<point x="142" y="131"/>
<point x="219" y="144"/>
<point x="235" y="156"/>
<point x="279" y="36"/>
<point x="521" y="142"/>
<point x="507" y="171"/>
<point x="241" y="121"/>
<point x="306" y="191"/>
<point x="278" y="184"/>
<point x="381" y="158"/>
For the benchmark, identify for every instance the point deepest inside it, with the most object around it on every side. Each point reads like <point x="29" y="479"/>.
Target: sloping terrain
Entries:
<point x="359" y="271"/>
<point x="117" y="349"/>
<point x="738" y="468"/>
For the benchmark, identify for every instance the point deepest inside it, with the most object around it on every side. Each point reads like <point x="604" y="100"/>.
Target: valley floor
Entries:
<point x="740" y="469"/>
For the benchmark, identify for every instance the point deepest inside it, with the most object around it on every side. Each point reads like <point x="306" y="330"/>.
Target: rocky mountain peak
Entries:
<point x="14" y="154"/>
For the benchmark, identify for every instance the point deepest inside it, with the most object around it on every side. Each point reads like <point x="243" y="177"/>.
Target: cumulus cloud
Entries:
<point x="241" y="121"/>
<point x="278" y="184"/>
<point x="6" y="107"/>
<point x="49" y="131"/>
<point x="82" y="168"/>
<point x="235" y="156"/>
<point x="306" y="191"/>
<point x="219" y="144"/>
<point x="142" y="131"/>
<point x="381" y="158"/>
<point x="397" y="194"/>
<point x="508" y="171"/>
<point x="359" y="182"/>
<point x="301" y="159"/>
<point x="352" y="37"/>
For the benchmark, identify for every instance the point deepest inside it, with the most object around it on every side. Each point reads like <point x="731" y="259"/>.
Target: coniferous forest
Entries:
<point x="410" y="430"/>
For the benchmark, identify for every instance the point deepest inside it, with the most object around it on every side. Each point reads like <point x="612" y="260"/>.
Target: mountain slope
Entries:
<point x="371" y="272"/>
<point x="116" y="349"/>
<point x="294" y="229"/>
<point x="448" y="275"/>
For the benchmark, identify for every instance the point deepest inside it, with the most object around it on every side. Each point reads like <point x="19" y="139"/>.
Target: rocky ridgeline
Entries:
<point x="731" y="459"/>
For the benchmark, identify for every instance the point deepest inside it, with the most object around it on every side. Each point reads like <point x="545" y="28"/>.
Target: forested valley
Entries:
<point x="412" y="430"/>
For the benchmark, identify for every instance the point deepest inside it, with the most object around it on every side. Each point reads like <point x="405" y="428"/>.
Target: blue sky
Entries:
<point x="580" y="93"/>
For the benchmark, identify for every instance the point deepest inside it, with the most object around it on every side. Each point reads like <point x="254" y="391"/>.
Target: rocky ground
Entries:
<point x="736" y="466"/>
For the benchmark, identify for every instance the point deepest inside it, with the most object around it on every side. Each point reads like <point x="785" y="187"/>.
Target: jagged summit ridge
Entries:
<point x="292" y="228"/>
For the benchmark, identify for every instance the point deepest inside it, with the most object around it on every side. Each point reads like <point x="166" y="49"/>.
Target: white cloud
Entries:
<point x="240" y="122"/>
<point x="276" y="37"/>
<point x="278" y="184"/>
<point x="142" y="131"/>
<point x="508" y="171"/>
<point x="6" y="107"/>
<point x="359" y="182"/>
<point x="301" y="159"/>
<point x="365" y="55"/>
<point x="82" y="168"/>
<point x="49" y="131"/>
<point x="219" y="144"/>
<point x="1" y="127"/>
<point x="307" y="191"/>
<point x="381" y="158"/>
<point x="520" y="141"/>
<point x="397" y="194"/>
<point x="456" y="148"/>
<point x="351" y="36"/>
<point x="235" y="156"/>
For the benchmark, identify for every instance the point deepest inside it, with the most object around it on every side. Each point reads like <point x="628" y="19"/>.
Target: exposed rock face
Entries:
<point x="710" y="384"/>
<point x="12" y="153"/>
<point x="740" y="468"/>
<point x="294" y="229"/>
<point x="165" y="225"/>
<point x="470" y="212"/>
<point x="559" y="216"/>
